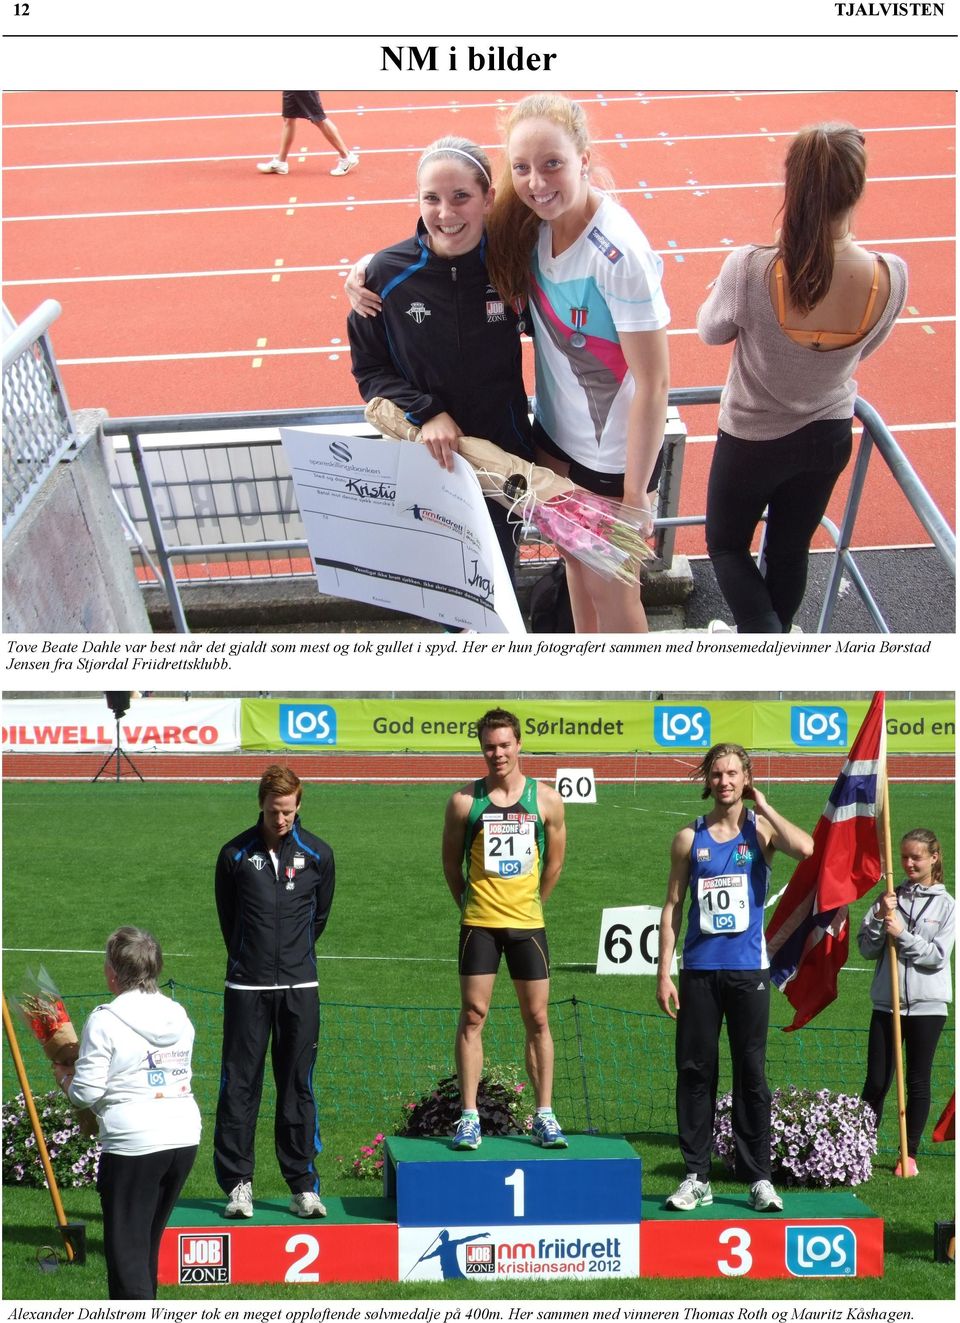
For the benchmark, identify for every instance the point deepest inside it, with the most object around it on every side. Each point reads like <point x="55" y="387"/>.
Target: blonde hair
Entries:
<point x="512" y="227"/>
<point x="924" y="836"/>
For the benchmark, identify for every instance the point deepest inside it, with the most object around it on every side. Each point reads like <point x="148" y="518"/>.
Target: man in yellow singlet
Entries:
<point x="503" y="844"/>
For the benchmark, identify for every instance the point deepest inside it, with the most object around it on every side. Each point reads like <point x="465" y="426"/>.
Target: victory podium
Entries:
<point x="512" y="1210"/>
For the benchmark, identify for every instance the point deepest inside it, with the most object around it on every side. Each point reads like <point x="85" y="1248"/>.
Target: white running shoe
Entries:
<point x="307" y="1204"/>
<point x="274" y="167"/>
<point x="764" y="1198"/>
<point x="691" y="1193"/>
<point x="346" y="164"/>
<point x="240" y="1203"/>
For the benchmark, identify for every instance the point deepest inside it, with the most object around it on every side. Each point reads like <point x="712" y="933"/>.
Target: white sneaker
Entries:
<point x="240" y="1203"/>
<point x="690" y="1193"/>
<point x="307" y="1204"/>
<point x="346" y="164"/>
<point x="764" y="1198"/>
<point x="274" y="167"/>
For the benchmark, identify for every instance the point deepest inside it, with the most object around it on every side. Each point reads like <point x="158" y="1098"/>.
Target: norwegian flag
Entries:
<point x="809" y="934"/>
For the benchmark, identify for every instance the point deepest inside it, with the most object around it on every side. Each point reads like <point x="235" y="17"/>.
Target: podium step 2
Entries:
<point x="511" y="1182"/>
<point x="818" y="1234"/>
<point x="355" y="1242"/>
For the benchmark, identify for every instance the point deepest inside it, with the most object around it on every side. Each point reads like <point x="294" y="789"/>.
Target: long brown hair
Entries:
<point x="923" y="836"/>
<point x="705" y="766"/>
<point x="511" y="226"/>
<point x="826" y="171"/>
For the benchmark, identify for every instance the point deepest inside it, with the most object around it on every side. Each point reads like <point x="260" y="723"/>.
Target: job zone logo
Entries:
<point x="480" y="1259"/>
<point x="818" y="727"/>
<point x="821" y="1251"/>
<point x="689" y="726"/>
<point x="204" y="1260"/>
<point x="308" y="723"/>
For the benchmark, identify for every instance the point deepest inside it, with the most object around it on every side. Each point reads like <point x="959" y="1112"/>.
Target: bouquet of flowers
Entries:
<point x="42" y="1010"/>
<point x="604" y="534"/>
<point x="816" y="1137"/>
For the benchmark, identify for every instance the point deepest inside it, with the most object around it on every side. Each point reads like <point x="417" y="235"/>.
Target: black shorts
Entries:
<point x="303" y="105"/>
<point x="526" y="950"/>
<point x="603" y="484"/>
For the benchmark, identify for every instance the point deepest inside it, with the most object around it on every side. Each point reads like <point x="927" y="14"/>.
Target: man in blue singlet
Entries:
<point x="723" y="859"/>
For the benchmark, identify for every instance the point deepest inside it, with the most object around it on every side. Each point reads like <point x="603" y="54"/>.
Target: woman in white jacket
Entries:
<point x="134" y="1071"/>
<point x="920" y="917"/>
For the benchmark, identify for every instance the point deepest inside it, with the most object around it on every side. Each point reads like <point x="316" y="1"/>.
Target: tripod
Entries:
<point x="115" y="755"/>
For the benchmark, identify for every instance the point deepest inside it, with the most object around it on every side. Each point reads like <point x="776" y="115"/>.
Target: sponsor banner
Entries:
<point x="595" y="726"/>
<point x="150" y="725"/>
<point x="575" y="1252"/>
<point x="449" y="725"/>
<point x="913" y="726"/>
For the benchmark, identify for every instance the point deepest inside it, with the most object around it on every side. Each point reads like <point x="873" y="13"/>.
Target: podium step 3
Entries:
<point x="818" y="1234"/>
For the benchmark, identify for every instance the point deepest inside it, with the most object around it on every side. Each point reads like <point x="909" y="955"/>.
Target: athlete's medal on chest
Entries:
<point x="578" y="320"/>
<point x="520" y="308"/>
<point x="289" y="874"/>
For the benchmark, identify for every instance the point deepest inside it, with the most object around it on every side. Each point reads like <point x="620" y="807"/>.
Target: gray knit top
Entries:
<point x="775" y="385"/>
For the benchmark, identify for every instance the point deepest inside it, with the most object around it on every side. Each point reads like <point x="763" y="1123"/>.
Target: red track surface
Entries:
<point x="699" y="171"/>
<point x="400" y="768"/>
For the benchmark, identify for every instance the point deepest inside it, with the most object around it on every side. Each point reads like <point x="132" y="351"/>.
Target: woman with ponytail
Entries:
<point x="920" y="917"/>
<point x="802" y="313"/>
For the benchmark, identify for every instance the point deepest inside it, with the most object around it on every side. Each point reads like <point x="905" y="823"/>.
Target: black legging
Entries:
<point x="920" y="1035"/>
<point x="793" y="476"/>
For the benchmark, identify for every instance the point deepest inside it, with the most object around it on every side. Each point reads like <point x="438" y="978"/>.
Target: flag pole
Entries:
<point x="36" y="1127"/>
<point x="892" y="964"/>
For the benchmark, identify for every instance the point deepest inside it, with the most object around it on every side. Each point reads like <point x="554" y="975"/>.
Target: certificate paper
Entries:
<point x="387" y="524"/>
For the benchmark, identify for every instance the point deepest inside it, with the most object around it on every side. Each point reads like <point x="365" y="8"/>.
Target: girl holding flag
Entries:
<point x="919" y="916"/>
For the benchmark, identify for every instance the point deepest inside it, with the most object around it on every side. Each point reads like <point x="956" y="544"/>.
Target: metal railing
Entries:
<point x="203" y="490"/>
<point x="38" y="429"/>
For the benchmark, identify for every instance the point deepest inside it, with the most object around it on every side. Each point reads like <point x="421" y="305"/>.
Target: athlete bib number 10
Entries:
<point x="724" y="903"/>
<point x="509" y="848"/>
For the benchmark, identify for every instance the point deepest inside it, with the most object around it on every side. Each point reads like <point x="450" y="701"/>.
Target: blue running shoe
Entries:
<point x="547" y="1133"/>
<point x="468" y="1133"/>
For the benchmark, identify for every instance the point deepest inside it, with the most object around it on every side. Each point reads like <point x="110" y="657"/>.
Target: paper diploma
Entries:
<point x="386" y="524"/>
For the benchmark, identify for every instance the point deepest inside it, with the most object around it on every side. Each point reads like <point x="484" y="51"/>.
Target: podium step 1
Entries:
<point x="512" y="1182"/>
<point x="819" y="1234"/>
<point x="355" y="1242"/>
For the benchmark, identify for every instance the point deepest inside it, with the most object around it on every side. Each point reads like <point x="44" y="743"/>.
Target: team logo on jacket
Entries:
<point x="496" y="308"/>
<point x="299" y="861"/>
<point x="259" y="861"/>
<point x="743" y="854"/>
<point x="419" y="312"/>
<point x="610" y="251"/>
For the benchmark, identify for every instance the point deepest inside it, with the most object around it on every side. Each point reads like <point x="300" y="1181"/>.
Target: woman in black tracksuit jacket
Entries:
<point x="446" y="348"/>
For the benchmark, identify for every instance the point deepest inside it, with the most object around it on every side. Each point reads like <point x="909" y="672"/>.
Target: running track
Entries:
<point x="190" y="283"/>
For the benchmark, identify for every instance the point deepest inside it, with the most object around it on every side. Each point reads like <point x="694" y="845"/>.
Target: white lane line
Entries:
<point x="342" y="267"/>
<point x="381" y="202"/>
<point x="315" y="349"/>
<point x="79" y="950"/>
<point x="634" y="98"/>
<point x="415" y="151"/>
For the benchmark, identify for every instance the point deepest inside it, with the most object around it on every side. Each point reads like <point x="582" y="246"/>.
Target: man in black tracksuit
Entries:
<point x="274" y="889"/>
<point x="445" y="342"/>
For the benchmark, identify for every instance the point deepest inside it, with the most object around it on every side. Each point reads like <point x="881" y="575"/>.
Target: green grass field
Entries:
<point x="80" y="859"/>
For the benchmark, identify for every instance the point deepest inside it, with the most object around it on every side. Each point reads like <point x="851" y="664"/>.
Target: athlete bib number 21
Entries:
<point x="509" y="848"/>
<point x="724" y="903"/>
